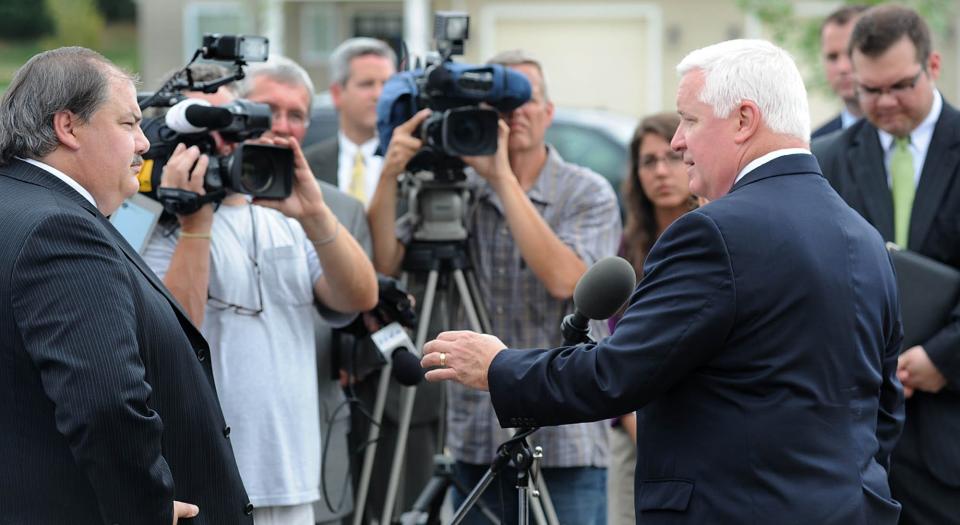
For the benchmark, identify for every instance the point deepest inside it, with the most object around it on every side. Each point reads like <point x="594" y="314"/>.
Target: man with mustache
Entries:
<point x="108" y="402"/>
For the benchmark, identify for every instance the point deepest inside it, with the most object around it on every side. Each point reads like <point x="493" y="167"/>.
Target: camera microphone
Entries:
<point x="600" y="292"/>
<point x="395" y="345"/>
<point x="192" y="115"/>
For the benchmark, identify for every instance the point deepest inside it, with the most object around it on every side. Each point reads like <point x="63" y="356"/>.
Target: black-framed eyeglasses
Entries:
<point x="899" y="88"/>
<point x="649" y="162"/>
<point x="220" y="304"/>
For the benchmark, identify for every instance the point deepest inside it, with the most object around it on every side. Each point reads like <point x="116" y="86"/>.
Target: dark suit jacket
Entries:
<point x="324" y="160"/>
<point x="853" y="163"/>
<point x="107" y="402"/>
<point x="834" y="124"/>
<point x="762" y="347"/>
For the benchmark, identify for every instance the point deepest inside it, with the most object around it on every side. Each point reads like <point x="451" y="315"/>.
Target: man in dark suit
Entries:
<point x="834" y="37"/>
<point x="900" y="169"/>
<point x="108" y="404"/>
<point x="359" y="67"/>
<point x="761" y="344"/>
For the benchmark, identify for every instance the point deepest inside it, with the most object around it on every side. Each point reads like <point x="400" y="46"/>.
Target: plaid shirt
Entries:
<point x="581" y="209"/>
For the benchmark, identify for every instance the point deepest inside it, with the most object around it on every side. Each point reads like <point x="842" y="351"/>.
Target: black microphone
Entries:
<point x="600" y="292"/>
<point x="395" y="345"/>
<point x="193" y="115"/>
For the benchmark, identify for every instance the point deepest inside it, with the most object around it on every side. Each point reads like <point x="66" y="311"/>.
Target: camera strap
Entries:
<point x="184" y="202"/>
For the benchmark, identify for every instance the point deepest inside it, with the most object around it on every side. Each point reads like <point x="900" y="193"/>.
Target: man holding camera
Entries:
<point x="536" y="224"/>
<point x="250" y="274"/>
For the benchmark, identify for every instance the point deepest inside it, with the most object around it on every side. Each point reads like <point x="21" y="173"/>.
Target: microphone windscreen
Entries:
<point x="604" y="288"/>
<point x="208" y="117"/>
<point x="406" y="368"/>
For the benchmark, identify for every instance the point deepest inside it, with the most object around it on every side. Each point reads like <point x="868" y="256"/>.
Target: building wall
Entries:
<point x="611" y="54"/>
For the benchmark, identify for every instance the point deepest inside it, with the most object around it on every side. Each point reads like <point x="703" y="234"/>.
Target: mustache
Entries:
<point x="137" y="161"/>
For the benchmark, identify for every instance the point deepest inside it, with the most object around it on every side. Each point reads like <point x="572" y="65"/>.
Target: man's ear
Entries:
<point x="748" y="122"/>
<point x="66" y="124"/>
<point x="336" y="91"/>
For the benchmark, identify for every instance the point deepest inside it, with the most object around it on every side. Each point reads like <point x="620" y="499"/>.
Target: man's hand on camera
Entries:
<point x="495" y="168"/>
<point x="403" y="145"/>
<point x="305" y="202"/>
<point x="186" y="170"/>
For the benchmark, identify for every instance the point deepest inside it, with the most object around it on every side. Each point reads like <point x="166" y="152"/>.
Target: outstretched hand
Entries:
<point x="461" y="356"/>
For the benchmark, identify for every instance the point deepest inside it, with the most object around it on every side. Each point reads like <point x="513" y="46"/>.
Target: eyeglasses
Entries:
<point x="220" y="304"/>
<point x="649" y="162"/>
<point x="294" y="118"/>
<point x="897" y="89"/>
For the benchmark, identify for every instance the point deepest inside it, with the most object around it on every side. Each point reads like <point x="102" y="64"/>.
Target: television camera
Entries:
<point x="260" y="170"/>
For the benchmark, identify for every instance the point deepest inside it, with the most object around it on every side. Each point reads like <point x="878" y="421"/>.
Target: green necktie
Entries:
<point x="901" y="172"/>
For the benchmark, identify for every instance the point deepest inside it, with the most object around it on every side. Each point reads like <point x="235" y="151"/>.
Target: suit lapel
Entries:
<point x="865" y="160"/>
<point x="29" y="173"/>
<point x="939" y="169"/>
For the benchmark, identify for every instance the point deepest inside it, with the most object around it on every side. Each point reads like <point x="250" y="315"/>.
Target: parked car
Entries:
<point x="596" y="139"/>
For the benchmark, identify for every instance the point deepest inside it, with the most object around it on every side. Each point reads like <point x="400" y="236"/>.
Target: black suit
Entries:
<point x="853" y="162"/>
<point x="761" y="350"/>
<point x="834" y="124"/>
<point x="107" y="397"/>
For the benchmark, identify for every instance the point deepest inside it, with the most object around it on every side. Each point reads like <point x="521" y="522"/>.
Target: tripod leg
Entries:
<point x="371" y="451"/>
<point x="474" y="288"/>
<point x="407" y="397"/>
<point x="468" y="301"/>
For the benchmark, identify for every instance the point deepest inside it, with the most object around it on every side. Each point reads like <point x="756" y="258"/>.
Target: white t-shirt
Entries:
<point x="264" y="365"/>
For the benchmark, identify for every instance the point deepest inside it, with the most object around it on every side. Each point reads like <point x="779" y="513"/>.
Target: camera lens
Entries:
<point x="256" y="174"/>
<point x="470" y="131"/>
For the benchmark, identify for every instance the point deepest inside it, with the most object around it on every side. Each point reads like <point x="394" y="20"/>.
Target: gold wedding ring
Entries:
<point x="443" y="359"/>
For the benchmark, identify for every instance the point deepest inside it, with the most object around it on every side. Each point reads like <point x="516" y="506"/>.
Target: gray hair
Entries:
<point x="352" y="48"/>
<point x="72" y="79"/>
<point x="517" y="57"/>
<point x="756" y="70"/>
<point x="279" y="69"/>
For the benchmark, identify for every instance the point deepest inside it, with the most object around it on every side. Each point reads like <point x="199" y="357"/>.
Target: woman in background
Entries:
<point x="655" y="193"/>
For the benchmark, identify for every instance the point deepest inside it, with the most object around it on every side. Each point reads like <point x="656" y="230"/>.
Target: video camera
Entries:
<point x="259" y="170"/>
<point x="459" y="124"/>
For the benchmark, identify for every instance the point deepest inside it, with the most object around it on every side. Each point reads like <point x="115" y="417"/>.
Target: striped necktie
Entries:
<point x="904" y="187"/>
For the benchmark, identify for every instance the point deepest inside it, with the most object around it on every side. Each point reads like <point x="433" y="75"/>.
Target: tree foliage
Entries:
<point x="24" y="19"/>
<point x="76" y="23"/>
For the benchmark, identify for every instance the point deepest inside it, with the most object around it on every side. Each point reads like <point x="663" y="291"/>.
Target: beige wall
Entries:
<point x="612" y="54"/>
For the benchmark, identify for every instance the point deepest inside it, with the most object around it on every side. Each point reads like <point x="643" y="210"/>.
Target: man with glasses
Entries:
<point x="249" y="274"/>
<point x="536" y="224"/>
<point x="359" y="67"/>
<point x="899" y="169"/>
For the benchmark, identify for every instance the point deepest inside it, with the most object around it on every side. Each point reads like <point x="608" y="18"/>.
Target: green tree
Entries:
<point x="118" y="10"/>
<point x="76" y="23"/>
<point x="801" y="36"/>
<point x="24" y="20"/>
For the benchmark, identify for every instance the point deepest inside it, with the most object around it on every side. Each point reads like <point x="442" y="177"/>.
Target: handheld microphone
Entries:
<point x="193" y="115"/>
<point x="395" y="345"/>
<point x="600" y="292"/>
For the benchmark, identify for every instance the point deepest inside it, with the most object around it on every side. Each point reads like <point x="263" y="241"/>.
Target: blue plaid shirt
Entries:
<point x="581" y="209"/>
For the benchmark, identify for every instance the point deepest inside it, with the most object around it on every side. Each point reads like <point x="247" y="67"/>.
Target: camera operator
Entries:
<point x="536" y="224"/>
<point x="250" y="273"/>
<point x="286" y="87"/>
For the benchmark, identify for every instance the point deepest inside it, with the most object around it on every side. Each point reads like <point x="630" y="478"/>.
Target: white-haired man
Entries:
<point x="761" y="345"/>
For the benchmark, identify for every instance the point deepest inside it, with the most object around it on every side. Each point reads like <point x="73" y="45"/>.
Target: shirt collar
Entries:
<point x="921" y="136"/>
<point x="347" y="146"/>
<point x="847" y="118"/>
<point x="775" y="154"/>
<point x="64" y="177"/>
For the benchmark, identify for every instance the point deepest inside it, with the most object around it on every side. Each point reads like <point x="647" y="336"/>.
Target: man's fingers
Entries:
<point x="454" y="335"/>
<point x="410" y="125"/>
<point x="441" y="374"/>
<point x="184" y="510"/>
<point x="199" y="172"/>
<point x="907" y="391"/>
